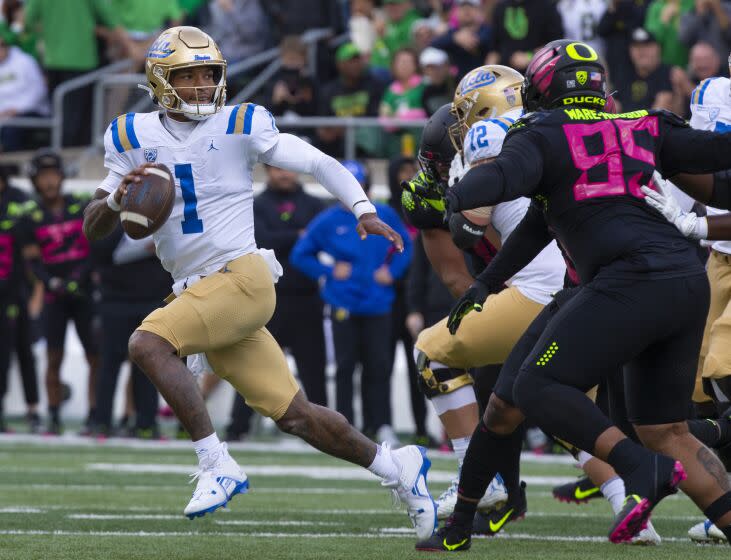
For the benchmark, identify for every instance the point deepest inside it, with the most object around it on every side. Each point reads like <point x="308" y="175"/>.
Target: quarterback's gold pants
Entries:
<point x="224" y="315"/>
<point x="483" y="338"/>
<point x="715" y="358"/>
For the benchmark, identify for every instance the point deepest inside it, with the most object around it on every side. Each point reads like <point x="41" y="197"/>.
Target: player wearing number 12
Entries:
<point x="224" y="284"/>
<point x="585" y="167"/>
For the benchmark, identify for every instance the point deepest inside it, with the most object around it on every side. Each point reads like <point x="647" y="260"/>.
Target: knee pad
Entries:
<point x="527" y="391"/>
<point x="438" y="381"/>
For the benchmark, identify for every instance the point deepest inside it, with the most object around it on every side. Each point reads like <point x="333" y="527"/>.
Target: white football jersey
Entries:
<point x="212" y="221"/>
<point x="544" y="276"/>
<point x="710" y="106"/>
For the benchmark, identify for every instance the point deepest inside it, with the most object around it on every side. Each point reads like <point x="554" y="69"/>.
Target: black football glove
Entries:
<point x="471" y="300"/>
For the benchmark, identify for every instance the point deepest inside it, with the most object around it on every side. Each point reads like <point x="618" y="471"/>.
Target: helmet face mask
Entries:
<point x="177" y="49"/>
<point x="485" y="92"/>
<point x="436" y="150"/>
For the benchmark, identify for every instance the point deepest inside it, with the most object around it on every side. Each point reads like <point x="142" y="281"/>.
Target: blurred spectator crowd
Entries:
<point x="380" y="58"/>
<point x="383" y="59"/>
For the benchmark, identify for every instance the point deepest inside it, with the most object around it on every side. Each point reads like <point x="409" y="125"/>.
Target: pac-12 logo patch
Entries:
<point x="151" y="154"/>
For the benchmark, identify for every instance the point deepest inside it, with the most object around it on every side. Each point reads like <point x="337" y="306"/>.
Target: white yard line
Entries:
<point x="311" y="472"/>
<point x="394" y="532"/>
<point x="283" y="445"/>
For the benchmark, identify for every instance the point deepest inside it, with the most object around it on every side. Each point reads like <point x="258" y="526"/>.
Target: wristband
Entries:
<point x="363" y="207"/>
<point x="113" y="204"/>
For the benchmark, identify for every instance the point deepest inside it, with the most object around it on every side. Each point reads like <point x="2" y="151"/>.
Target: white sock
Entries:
<point x="206" y="445"/>
<point x="383" y="465"/>
<point x="613" y="490"/>
<point x="584" y="458"/>
<point x="460" y="446"/>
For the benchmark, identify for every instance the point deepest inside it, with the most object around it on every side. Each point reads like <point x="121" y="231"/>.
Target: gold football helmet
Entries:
<point x="485" y="92"/>
<point x="184" y="47"/>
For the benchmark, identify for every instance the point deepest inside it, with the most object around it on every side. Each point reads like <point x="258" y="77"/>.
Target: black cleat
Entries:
<point x="578" y="492"/>
<point x="491" y="523"/>
<point x="450" y="538"/>
<point x="635" y="514"/>
<point x="54" y="427"/>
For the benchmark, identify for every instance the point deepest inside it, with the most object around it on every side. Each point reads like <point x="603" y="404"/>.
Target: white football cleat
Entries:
<point x="495" y="496"/>
<point x="219" y="479"/>
<point x="411" y="488"/>
<point x="706" y="533"/>
<point x="647" y="537"/>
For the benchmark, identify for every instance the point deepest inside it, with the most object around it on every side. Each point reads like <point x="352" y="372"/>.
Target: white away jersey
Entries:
<point x="212" y="221"/>
<point x="485" y="137"/>
<point x="544" y="275"/>
<point x="710" y="106"/>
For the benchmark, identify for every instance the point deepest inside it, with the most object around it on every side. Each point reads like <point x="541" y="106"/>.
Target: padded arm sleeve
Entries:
<point x="295" y="154"/>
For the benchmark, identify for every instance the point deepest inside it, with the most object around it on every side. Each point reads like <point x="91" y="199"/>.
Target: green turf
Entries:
<point x="53" y="506"/>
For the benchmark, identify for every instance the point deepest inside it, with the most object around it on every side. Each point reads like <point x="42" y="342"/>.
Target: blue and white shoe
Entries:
<point x="495" y="497"/>
<point x="219" y="479"/>
<point x="411" y="488"/>
<point x="706" y="533"/>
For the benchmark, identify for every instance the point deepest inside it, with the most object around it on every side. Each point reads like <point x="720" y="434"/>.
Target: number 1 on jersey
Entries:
<point x="192" y="223"/>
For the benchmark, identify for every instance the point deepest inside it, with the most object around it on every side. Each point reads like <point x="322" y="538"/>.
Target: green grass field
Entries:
<point x="71" y="500"/>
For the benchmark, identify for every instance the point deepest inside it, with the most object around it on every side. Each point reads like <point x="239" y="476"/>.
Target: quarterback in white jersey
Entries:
<point x="224" y="284"/>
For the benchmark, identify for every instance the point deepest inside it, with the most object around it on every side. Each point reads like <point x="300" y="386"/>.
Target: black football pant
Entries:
<point x="652" y="327"/>
<point x="119" y="320"/>
<point x="57" y="313"/>
<point x="365" y="340"/>
<point x="15" y="338"/>
<point x="297" y="325"/>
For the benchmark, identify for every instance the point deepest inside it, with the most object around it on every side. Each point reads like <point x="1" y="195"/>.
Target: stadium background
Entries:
<point x="357" y="78"/>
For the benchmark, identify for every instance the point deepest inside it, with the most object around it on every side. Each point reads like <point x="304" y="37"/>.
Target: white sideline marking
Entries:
<point x="150" y="517"/>
<point x="316" y="473"/>
<point x="394" y="532"/>
<point x="284" y="445"/>
<point x="21" y="509"/>
<point x="176" y="487"/>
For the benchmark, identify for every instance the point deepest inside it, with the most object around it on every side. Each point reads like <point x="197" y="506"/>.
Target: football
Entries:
<point x="147" y="205"/>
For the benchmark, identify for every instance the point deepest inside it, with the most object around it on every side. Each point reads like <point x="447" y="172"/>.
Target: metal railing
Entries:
<point x="55" y="121"/>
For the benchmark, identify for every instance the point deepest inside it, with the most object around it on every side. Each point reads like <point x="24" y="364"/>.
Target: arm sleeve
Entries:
<point x="111" y="182"/>
<point x="295" y="154"/>
<point x="304" y="253"/>
<point x="527" y="240"/>
<point x="515" y="173"/>
<point x="685" y="150"/>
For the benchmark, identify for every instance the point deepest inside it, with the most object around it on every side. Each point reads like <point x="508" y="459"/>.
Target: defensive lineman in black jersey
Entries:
<point x="586" y="167"/>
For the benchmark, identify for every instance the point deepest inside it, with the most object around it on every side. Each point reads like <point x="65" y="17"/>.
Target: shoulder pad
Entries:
<point x="709" y="90"/>
<point x="529" y="119"/>
<point x="240" y="119"/>
<point x="669" y="117"/>
<point x="123" y="133"/>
